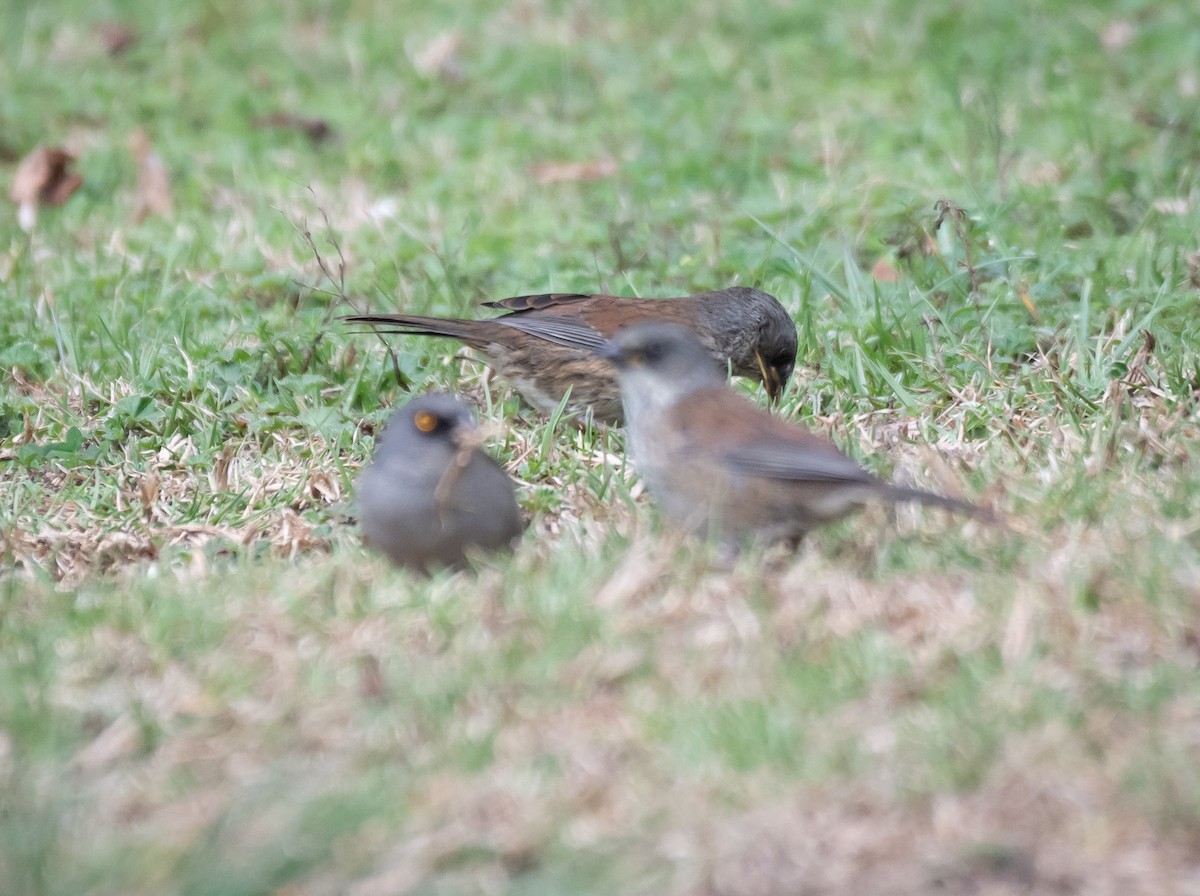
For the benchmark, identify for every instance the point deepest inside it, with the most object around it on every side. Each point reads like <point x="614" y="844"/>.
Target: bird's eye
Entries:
<point x="425" y="421"/>
<point x="653" y="352"/>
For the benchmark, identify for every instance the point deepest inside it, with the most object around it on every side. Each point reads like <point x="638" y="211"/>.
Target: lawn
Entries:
<point x="984" y="221"/>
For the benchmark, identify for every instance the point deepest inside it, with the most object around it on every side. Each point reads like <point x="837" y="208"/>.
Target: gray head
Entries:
<point x="437" y="419"/>
<point x="659" y="363"/>
<point x="763" y="335"/>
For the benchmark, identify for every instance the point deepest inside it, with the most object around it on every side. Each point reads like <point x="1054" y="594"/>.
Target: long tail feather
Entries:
<point x="904" y="493"/>
<point x="466" y="330"/>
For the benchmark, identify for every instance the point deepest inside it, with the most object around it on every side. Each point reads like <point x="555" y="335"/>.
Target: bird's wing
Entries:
<point x="787" y="460"/>
<point x="538" y="302"/>
<point x="601" y="313"/>
<point x="567" y="331"/>
<point x="558" y="317"/>
<point x="749" y="440"/>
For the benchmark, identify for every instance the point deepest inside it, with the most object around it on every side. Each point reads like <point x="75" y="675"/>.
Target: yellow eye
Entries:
<point x="425" y="421"/>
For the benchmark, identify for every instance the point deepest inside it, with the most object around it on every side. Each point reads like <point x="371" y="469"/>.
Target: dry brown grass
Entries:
<point x="1051" y="813"/>
<point x="291" y="681"/>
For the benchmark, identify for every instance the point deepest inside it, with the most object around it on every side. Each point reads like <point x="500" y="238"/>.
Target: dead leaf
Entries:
<point x="1117" y="35"/>
<point x="117" y="38"/>
<point x="1027" y="300"/>
<point x="885" y="272"/>
<point x="43" y="178"/>
<point x="1044" y="174"/>
<point x="562" y="172"/>
<point x="118" y="740"/>
<point x="324" y="487"/>
<point x="148" y="489"/>
<point x="219" y="475"/>
<point x="315" y="129"/>
<point x="440" y="57"/>
<point x="153" y="182"/>
<point x="1172" y="205"/>
<point x="371" y="682"/>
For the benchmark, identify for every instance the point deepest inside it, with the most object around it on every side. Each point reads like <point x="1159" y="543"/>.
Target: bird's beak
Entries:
<point x="466" y="435"/>
<point x="771" y="379"/>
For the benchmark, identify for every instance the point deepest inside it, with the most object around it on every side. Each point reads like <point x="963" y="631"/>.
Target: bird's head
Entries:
<point x="438" y="417"/>
<point x="658" y="363"/>
<point x="771" y="356"/>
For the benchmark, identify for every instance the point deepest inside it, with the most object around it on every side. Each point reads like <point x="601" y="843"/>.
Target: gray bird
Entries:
<point x="430" y="496"/>
<point x="720" y="465"/>
<point x="547" y="344"/>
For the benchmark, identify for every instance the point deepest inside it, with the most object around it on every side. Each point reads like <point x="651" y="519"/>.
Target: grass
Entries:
<point x="983" y="221"/>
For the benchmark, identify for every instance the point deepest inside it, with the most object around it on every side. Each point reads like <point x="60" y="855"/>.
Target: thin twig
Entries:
<point x="338" y="282"/>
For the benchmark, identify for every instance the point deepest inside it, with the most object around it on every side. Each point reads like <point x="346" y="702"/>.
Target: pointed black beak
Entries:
<point x="772" y="378"/>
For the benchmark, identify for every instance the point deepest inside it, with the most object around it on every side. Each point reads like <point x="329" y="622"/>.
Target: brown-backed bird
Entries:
<point x="547" y="344"/>
<point x="720" y="465"/>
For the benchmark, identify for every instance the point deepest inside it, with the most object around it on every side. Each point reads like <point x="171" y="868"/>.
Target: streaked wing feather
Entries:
<point x="517" y="304"/>
<point x="785" y="460"/>
<point x="565" y="331"/>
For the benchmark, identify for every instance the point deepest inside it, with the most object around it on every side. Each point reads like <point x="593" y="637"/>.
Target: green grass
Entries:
<point x="206" y="685"/>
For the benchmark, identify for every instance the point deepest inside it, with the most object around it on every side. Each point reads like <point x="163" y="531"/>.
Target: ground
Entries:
<point x="983" y="220"/>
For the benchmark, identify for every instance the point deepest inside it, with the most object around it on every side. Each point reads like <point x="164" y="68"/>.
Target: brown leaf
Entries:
<point x="315" y="129"/>
<point x="118" y="740"/>
<point x="885" y="272"/>
<point x="1027" y="301"/>
<point x="1172" y="205"/>
<point x="1193" y="265"/>
<point x="43" y="178"/>
<point x="440" y="57"/>
<point x="117" y="38"/>
<point x="1043" y="174"/>
<point x="219" y="475"/>
<point x="148" y="489"/>
<point x="153" y="182"/>
<point x="1117" y="35"/>
<point x="561" y="172"/>
<point x="371" y="682"/>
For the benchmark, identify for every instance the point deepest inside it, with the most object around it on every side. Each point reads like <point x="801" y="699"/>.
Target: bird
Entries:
<point x="545" y="345"/>
<point x="430" y="497"/>
<point x="723" y="467"/>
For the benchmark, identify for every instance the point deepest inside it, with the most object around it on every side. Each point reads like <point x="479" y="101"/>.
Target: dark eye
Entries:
<point x="653" y="352"/>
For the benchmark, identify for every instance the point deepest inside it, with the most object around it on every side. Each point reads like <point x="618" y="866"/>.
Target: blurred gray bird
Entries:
<point x="720" y="465"/>
<point x="547" y="344"/>
<point x="430" y="496"/>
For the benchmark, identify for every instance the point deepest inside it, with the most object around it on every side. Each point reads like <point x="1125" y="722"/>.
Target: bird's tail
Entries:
<point x="899" y="493"/>
<point x="472" y="332"/>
